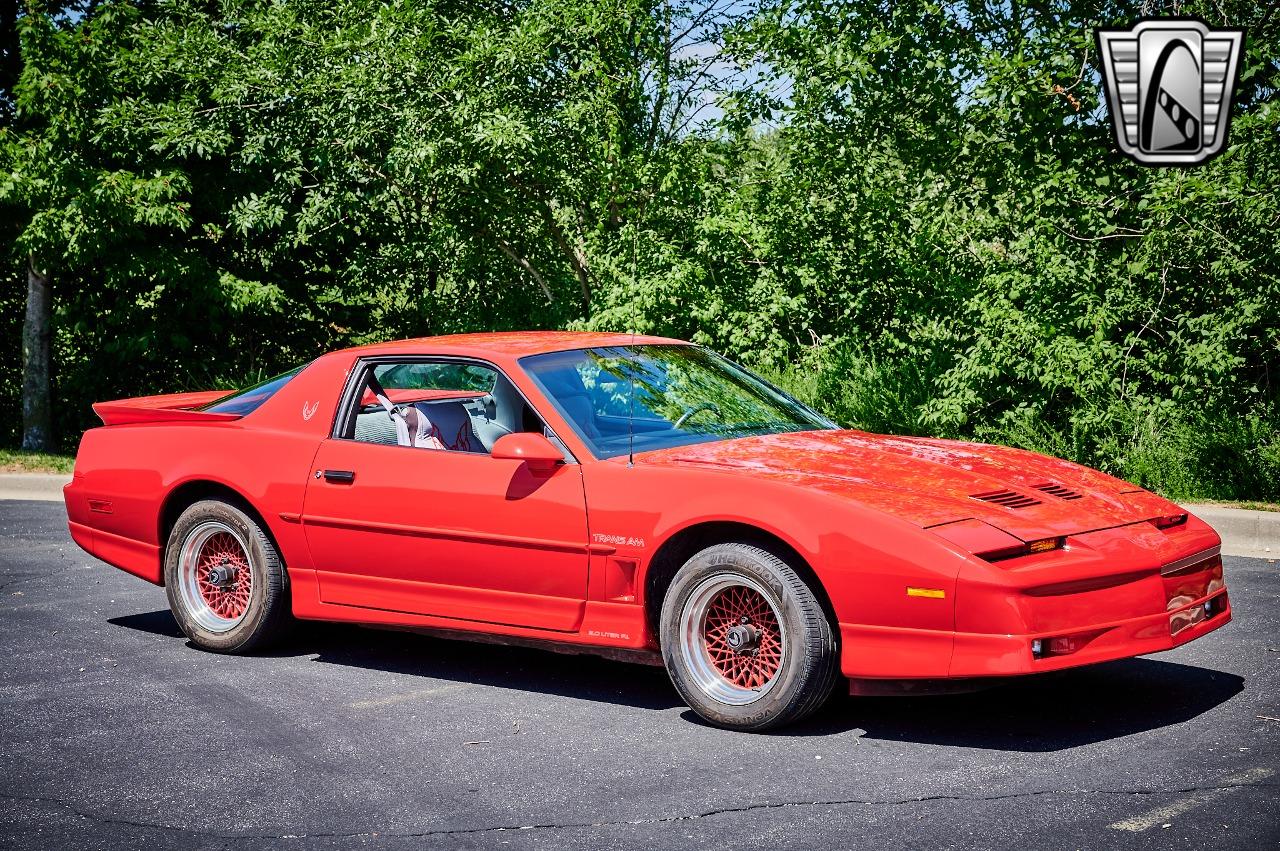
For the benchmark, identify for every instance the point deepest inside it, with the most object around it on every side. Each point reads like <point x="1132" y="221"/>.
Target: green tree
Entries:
<point x="964" y="239"/>
<point x="241" y="184"/>
<point x="911" y="212"/>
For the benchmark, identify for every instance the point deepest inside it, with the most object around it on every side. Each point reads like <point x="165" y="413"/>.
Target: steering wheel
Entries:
<point x="690" y="413"/>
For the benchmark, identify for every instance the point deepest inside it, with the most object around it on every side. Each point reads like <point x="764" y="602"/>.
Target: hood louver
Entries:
<point x="1060" y="491"/>
<point x="1007" y="498"/>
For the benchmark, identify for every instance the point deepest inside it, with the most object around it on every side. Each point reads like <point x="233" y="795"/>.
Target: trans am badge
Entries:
<point x="1169" y="83"/>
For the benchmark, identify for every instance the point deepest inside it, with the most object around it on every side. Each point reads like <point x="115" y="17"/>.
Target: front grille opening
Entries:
<point x="1060" y="491"/>
<point x="1007" y="498"/>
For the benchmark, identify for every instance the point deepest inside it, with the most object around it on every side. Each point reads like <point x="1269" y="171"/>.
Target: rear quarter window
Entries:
<point x="250" y="399"/>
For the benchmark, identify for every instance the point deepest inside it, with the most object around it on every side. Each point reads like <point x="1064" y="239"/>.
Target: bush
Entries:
<point x="1184" y="453"/>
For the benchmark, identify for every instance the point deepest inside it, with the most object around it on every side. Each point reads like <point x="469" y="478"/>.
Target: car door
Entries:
<point x="452" y="534"/>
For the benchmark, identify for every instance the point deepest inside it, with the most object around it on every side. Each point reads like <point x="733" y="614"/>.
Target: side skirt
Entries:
<point x="611" y="630"/>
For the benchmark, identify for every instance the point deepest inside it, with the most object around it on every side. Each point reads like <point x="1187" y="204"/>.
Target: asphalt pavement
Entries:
<point x="115" y="733"/>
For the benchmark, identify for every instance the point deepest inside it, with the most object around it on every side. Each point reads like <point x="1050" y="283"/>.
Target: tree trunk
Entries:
<point x="37" y="362"/>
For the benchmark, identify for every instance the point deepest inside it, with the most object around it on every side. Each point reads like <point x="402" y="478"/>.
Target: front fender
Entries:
<point x="880" y="572"/>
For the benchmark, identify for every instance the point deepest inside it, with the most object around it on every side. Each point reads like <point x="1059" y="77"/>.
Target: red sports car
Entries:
<point x="632" y="495"/>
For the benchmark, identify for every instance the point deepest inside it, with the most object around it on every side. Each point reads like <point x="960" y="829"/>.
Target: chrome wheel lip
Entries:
<point x="693" y="648"/>
<point x="188" y="576"/>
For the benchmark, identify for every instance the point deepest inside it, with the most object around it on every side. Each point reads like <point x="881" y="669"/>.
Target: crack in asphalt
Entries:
<point x="469" y="831"/>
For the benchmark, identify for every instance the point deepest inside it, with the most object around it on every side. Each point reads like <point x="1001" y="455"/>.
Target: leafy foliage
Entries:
<point x="911" y="213"/>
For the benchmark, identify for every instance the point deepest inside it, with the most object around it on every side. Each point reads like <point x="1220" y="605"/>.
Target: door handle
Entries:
<point x="344" y="477"/>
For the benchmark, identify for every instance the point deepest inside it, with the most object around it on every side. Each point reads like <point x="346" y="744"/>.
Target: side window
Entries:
<point x="442" y="405"/>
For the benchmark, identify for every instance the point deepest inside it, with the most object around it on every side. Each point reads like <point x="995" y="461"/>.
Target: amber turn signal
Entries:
<point x="1030" y="548"/>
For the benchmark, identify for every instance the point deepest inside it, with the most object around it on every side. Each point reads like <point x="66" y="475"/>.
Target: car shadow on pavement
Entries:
<point x="159" y="622"/>
<point x="1045" y="712"/>
<point x="1040" y="713"/>
<point x="583" y="677"/>
<point x="580" y="676"/>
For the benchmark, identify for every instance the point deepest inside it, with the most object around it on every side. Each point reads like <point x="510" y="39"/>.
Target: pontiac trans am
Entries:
<point x="632" y="496"/>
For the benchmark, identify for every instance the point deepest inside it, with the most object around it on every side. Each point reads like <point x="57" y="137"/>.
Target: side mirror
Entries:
<point x="538" y="453"/>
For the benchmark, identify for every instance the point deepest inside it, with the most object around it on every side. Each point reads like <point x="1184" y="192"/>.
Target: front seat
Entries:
<point x="502" y="409"/>
<point x="447" y="423"/>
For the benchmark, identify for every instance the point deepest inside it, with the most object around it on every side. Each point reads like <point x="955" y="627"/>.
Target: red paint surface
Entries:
<point x="405" y="396"/>
<point x="171" y="407"/>
<point x="423" y="538"/>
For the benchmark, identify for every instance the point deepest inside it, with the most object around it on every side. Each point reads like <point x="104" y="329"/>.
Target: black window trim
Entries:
<point x="353" y="388"/>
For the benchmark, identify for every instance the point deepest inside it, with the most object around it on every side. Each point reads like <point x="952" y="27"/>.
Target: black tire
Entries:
<point x="804" y="671"/>
<point x="266" y="613"/>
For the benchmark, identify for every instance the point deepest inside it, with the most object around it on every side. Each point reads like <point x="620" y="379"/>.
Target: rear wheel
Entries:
<point x="225" y="580"/>
<point x="745" y="640"/>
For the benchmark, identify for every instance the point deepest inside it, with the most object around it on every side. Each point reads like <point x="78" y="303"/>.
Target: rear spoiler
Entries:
<point x="171" y="407"/>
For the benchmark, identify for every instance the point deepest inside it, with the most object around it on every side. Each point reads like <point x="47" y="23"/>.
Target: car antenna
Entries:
<point x="631" y="372"/>
<point x="631" y="412"/>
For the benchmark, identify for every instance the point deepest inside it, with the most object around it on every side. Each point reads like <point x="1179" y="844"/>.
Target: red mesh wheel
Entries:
<point x="742" y="637"/>
<point x="223" y="576"/>
<point x="745" y="640"/>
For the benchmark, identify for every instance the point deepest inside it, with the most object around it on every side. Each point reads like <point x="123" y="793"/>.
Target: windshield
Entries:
<point x="247" y="401"/>
<point x="683" y="395"/>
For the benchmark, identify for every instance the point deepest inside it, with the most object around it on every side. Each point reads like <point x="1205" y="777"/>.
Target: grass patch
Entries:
<point x="1247" y="505"/>
<point x="1258" y="506"/>
<point x="26" y="461"/>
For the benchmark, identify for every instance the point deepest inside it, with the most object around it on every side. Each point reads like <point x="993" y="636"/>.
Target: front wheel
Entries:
<point x="225" y="579"/>
<point x="745" y="640"/>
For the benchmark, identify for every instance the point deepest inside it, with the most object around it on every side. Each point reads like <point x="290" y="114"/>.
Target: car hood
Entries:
<point x="929" y="482"/>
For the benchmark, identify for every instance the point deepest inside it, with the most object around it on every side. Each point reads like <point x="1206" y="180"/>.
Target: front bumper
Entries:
<point x="1111" y="594"/>
<point x="978" y="655"/>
